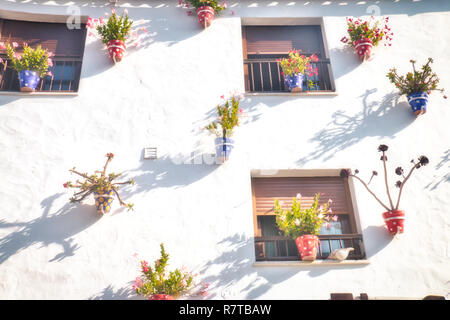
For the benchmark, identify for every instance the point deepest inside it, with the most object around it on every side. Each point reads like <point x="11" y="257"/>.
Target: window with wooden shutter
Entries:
<point x="67" y="46"/>
<point x="270" y="244"/>
<point x="263" y="45"/>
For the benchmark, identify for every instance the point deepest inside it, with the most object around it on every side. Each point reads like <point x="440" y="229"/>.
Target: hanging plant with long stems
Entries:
<point x="392" y="207"/>
<point x="101" y="184"/>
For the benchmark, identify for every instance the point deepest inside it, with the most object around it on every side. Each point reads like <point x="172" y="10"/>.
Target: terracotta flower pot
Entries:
<point x="363" y="48"/>
<point x="307" y="246"/>
<point x="161" y="297"/>
<point x="103" y="200"/>
<point x="205" y="15"/>
<point x="116" y="50"/>
<point x="394" y="220"/>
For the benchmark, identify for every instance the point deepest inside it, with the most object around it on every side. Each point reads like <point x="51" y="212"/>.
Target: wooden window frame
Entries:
<point x="47" y="85"/>
<point x="325" y="70"/>
<point x="355" y="236"/>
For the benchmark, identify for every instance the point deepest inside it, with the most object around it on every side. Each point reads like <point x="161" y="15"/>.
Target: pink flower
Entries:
<point x="299" y="196"/>
<point x="51" y="54"/>
<point x="335" y="218"/>
<point x="138" y="282"/>
<point x="15" y="44"/>
<point x="50" y="74"/>
<point x="2" y="46"/>
<point x="101" y="20"/>
<point x="222" y="97"/>
<point x="145" y="269"/>
<point x="327" y="225"/>
<point x="25" y="44"/>
<point x="50" y="62"/>
<point x="113" y="11"/>
<point x="65" y="185"/>
<point x="189" y="13"/>
<point x="240" y="110"/>
<point x="1" y="60"/>
<point x="17" y="56"/>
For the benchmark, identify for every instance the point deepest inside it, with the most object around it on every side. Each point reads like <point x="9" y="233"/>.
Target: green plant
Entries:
<point x="31" y="59"/>
<point x="298" y="63"/>
<point x="298" y="221"/>
<point x="97" y="182"/>
<point x="359" y="29"/>
<point x="199" y="3"/>
<point x="158" y="280"/>
<point x="116" y="28"/>
<point x="423" y="80"/>
<point x="228" y="118"/>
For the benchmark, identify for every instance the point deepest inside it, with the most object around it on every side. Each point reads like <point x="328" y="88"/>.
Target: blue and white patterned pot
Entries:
<point x="418" y="102"/>
<point x="223" y="149"/>
<point x="28" y="80"/>
<point x="294" y="82"/>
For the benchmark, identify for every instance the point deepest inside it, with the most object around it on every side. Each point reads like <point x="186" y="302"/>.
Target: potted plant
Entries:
<point x="159" y="284"/>
<point x="417" y="85"/>
<point x="205" y="9"/>
<point x="223" y="127"/>
<point x="303" y="224"/>
<point x="113" y="32"/>
<point x="393" y="217"/>
<point x="365" y="34"/>
<point x="31" y="65"/>
<point x="294" y="69"/>
<point x="101" y="185"/>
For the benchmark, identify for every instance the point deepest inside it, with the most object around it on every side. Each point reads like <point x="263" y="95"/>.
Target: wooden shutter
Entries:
<point x="55" y="37"/>
<point x="280" y="39"/>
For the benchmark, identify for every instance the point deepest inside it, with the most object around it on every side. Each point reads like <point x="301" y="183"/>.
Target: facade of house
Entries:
<point x="217" y="219"/>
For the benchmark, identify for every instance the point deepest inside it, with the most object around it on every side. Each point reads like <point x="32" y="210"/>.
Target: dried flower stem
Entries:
<point x="386" y="181"/>
<point x="370" y="191"/>
<point x="403" y="184"/>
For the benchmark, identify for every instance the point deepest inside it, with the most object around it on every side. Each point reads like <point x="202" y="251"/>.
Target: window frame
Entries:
<point x="246" y="22"/>
<point x="352" y="214"/>
<point x="77" y="61"/>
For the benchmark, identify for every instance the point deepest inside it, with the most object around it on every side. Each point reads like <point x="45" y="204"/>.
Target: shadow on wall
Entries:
<point x="445" y="178"/>
<point x="343" y="61"/>
<point x="109" y="293"/>
<point x="56" y="228"/>
<point x="376" y="238"/>
<point x="167" y="172"/>
<point x="233" y="265"/>
<point x="378" y="119"/>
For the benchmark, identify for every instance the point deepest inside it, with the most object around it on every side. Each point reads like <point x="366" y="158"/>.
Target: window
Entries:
<point x="66" y="44"/>
<point x="263" y="45"/>
<point x="271" y="245"/>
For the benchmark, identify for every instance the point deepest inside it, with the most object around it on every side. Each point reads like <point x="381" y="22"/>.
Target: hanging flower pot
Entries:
<point x="365" y="34"/>
<point x="103" y="200"/>
<point x="205" y="15"/>
<point x="116" y="50"/>
<point x="294" y="82"/>
<point x="161" y="297"/>
<point x="307" y="246"/>
<point x="416" y="85"/>
<point x="394" y="220"/>
<point x="223" y="148"/>
<point x="28" y="80"/>
<point x="363" y="48"/>
<point x="418" y="102"/>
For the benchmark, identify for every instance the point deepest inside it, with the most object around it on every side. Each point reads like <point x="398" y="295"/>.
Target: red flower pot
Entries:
<point x="205" y="15"/>
<point x="363" y="48"/>
<point x="161" y="297"/>
<point x="307" y="246"/>
<point x="116" y="50"/>
<point x="394" y="220"/>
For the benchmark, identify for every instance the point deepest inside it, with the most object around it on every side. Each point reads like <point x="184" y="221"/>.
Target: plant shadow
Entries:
<point x="443" y="178"/>
<point x="51" y="228"/>
<point x="377" y="119"/>
<point x="109" y="293"/>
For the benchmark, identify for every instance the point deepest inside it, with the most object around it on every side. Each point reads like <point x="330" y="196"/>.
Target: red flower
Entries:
<point x="65" y="185"/>
<point x="110" y="155"/>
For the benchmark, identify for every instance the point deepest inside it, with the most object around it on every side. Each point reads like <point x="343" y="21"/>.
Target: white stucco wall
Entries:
<point x="160" y="95"/>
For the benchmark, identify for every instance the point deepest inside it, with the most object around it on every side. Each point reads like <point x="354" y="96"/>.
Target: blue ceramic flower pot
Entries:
<point x="418" y="102"/>
<point x="28" y="80"/>
<point x="103" y="200"/>
<point x="223" y="148"/>
<point x="294" y="82"/>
